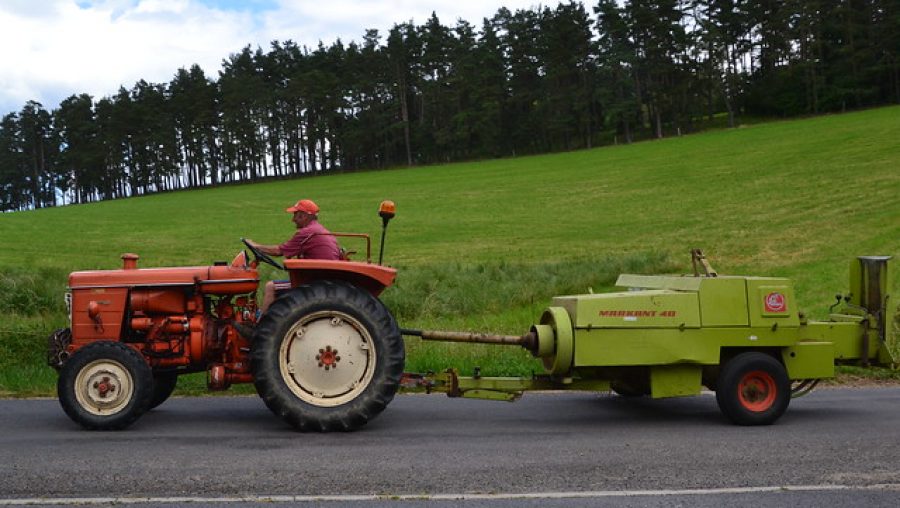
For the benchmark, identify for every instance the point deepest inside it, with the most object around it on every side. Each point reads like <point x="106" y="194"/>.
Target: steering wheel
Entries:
<point x="262" y="256"/>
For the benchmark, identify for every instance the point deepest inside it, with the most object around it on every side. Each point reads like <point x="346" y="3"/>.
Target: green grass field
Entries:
<point x="485" y="245"/>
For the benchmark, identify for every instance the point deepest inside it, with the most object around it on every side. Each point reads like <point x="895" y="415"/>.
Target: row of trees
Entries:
<point x="530" y="81"/>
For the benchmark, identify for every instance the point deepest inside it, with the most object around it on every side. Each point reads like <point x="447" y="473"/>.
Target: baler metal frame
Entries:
<point x="678" y="359"/>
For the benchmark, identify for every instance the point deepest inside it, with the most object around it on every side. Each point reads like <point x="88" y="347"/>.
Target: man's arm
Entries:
<point x="272" y="250"/>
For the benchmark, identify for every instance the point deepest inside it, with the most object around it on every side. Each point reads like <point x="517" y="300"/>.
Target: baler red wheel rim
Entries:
<point x="757" y="391"/>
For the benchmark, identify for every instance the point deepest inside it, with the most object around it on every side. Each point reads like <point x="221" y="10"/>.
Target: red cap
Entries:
<point x="304" y="205"/>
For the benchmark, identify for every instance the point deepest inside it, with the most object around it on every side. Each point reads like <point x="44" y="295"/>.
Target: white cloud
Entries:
<point x="55" y="48"/>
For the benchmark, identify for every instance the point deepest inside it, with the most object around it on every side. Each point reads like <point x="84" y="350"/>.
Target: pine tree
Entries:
<point x="13" y="166"/>
<point x="616" y="59"/>
<point x="566" y="53"/>
<point x="81" y="161"/>
<point x="39" y="150"/>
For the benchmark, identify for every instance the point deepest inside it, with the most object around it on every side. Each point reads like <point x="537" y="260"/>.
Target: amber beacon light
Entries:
<point x="387" y="210"/>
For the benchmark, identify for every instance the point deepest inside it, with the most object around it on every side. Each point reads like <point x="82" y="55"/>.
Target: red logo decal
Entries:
<point x="775" y="302"/>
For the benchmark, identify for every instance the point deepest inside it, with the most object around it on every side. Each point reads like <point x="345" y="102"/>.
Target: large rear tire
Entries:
<point x="105" y="385"/>
<point x="753" y="389"/>
<point x="327" y="356"/>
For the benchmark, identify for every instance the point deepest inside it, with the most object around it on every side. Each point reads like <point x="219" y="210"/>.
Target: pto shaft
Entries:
<point x="528" y="341"/>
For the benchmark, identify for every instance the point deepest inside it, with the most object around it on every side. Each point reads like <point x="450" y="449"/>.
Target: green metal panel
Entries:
<point x="845" y="337"/>
<point x="723" y="301"/>
<point x="771" y="302"/>
<point x="611" y="348"/>
<point x="601" y="347"/>
<point x="809" y="360"/>
<point x="675" y="380"/>
<point x="633" y="309"/>
<point x="891" y="352"/>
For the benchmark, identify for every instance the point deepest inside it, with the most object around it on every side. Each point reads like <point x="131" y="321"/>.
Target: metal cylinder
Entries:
<point x="129" y="261"/>
<point x="158" y="301"/>
<point x="558" y="360"/>
<point x="528" y="341"/>
<point x="171" y="324"/>
<point x="216" y="378"/>
<point x="546" y="340"/>
<point x="552" y="340"/>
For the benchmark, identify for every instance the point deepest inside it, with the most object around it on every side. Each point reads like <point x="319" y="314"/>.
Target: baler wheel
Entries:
<point x="105" y="385"/>
<point x="163" y="386"/>
<point x="327" y="356"/>
<point x="753" y="389"/>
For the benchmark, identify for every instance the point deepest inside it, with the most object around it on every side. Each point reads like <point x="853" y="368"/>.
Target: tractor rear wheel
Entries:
<point x="105" y="385"/>
<point x="327" y="356"/>
<point x="753" y="389"/>
<point x="163" y="386"/>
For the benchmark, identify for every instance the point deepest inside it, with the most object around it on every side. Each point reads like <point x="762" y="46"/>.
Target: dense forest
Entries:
<point x="544" y="79"/>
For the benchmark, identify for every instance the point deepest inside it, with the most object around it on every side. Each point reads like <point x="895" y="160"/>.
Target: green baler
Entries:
<point x="669" y="336"/>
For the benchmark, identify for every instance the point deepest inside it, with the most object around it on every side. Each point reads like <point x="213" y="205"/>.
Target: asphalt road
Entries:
<point x="836" y="445"/>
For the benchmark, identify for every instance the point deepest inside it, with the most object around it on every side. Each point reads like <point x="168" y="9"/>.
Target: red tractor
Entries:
<point x="327" y="355"/>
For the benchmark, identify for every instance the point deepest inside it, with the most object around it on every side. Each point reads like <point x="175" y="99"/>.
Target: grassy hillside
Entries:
<point x="484" y="245"/>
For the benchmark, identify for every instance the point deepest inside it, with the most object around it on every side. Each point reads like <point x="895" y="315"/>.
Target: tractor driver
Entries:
<point x="311" y="241"/>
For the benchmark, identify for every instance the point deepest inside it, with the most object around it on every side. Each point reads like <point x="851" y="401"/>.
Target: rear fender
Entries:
<point x="371" y="277"/>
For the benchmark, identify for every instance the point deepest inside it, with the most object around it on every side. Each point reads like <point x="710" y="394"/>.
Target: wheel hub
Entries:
<point x="314" y="348"/>
<point x="757" y="391"/>
<point x="328" y="358"/>
<point x="103" y="387"/>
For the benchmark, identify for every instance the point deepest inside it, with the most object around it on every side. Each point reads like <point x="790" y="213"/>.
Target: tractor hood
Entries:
<point x="238" y="277"/>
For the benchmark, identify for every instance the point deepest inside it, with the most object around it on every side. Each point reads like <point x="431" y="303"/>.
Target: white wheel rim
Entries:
<point x="327" y="358"/>
<point x="104" y="387"/>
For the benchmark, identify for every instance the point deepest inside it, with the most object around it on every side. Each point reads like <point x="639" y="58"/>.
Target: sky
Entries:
<point x="53" y="49"/>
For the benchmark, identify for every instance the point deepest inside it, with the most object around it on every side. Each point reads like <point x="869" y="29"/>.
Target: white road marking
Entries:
<point x="38" y="501"/>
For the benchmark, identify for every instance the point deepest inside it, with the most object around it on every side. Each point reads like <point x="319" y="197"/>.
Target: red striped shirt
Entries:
<point x="312" y="242"/>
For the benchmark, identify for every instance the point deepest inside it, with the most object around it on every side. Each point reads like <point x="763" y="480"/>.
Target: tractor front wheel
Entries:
<point x="327" y="356"/>
<point x="105" y="385"/>
<point x="753" y="389"/>
<point x="163" y="386"/>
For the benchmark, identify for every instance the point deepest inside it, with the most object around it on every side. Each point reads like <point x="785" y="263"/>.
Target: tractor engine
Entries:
<point x="179" y="319"/>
